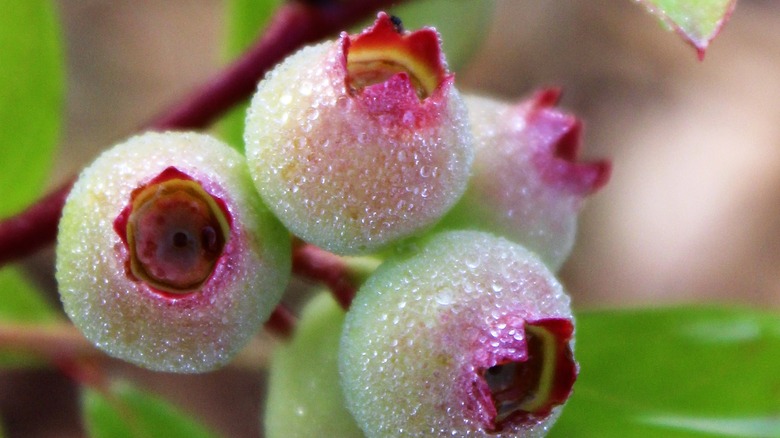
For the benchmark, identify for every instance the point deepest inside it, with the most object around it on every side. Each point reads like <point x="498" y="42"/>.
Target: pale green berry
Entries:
<point x="166" y="256"/>
<point x="304" y="392"/>
<point x="360" y="142"/>
<point x="470" y="335"/>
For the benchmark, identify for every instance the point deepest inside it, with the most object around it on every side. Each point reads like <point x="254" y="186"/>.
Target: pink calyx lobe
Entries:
<point x="522" y="379"/>
<point x="175" y="233"/>
<point x="385" y="51"/>
<point x="558" y="136"/>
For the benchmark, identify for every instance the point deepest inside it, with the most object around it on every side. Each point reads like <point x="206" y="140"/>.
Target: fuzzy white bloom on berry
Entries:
<point x="166" y="256"/>
<point x="362" y="141"/>
<point x="472" y="335"/>
<point x="526" y="184"/>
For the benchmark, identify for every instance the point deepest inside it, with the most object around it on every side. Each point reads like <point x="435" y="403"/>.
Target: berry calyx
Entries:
<point x="521" y="389"/>
<point x="175" y="232"/>
<point x="375" y="56"/>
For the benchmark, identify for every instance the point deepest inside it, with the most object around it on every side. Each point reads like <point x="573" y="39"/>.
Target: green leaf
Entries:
<point x="682" y="372"/>
<point x="304" y="394"/>
<point x="697" y="21"/>
<point x="20" y="302"/>
<point x="463" y="24"/>
<point x="31" y="97"/>
<point x="246" y="19"/>
<point x="126" y="411"/>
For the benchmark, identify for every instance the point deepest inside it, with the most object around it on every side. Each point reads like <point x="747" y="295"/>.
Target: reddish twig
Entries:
<point x="63" y="345"/>
<point x="33" y="228"/>
<point x="295" y="24"/>
<point x="316" y="263"/>
<point x="281" y="322"/>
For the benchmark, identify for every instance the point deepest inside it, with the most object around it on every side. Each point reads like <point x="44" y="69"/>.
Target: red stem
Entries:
<point x="33" y="228"/>
<point x="281" y="322"/>
<point x="85" y="372"/>
<point x="294" y="25"/>
<point x="316" y="263"/>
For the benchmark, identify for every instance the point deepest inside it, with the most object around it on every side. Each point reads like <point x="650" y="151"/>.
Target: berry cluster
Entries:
<point x="174" y="249"/>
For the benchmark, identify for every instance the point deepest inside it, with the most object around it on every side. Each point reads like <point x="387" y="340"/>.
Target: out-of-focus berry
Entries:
<point x="304" y="392"/>
<point x="526" y="184"/>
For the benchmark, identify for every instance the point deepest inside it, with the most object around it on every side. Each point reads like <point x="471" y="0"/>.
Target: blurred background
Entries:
<point x="692" y="213"/>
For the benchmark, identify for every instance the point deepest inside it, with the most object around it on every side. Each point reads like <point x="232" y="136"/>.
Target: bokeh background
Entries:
<point x="692" y="213"/>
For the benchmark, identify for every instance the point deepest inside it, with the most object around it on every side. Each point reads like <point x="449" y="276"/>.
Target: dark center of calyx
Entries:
<point x="521" y="390"/>
<point x="176" y="232"/>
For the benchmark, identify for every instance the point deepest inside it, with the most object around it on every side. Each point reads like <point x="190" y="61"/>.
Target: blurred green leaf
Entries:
<point x="697" y="21"/>
<point x="129" y="412"/>
<point x="31" y="96"/>
<point x="304" y="394"/>
<point x="246" y="19"/>
<point x="20" y="302"/>
<point x="682" y="372"/>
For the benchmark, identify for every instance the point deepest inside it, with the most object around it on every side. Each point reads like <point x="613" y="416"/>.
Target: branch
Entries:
<point x="294" y="25"/>
<point x="342" y="275"/>
<point x="33" y="228"/>
<point x="281" y="323"/>
<point x="62" y="343"/>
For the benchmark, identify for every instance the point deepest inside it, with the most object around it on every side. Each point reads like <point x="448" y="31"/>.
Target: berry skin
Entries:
<point x="304" y="395"/>
<point x="357" y="143"/>
<point x="525" y="184"/>
<point x="166" y="256"/>
<point x="469" y="336"/>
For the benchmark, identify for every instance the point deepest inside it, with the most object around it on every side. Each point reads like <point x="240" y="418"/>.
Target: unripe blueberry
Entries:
<point x="166" y="256"/>
<point x="469" y="336"/>
<point x="362" y="141"/>
<point x="526" y="184"/>
<point x="304" y="393"/>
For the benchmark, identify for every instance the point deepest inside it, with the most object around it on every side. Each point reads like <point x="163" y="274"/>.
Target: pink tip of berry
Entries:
<point x="530" y="372"/>
<point x="384" y="50"/>
<point x="558" y="139"/>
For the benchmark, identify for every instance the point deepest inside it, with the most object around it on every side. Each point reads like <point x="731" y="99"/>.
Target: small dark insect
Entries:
<point x="397" y="23"/>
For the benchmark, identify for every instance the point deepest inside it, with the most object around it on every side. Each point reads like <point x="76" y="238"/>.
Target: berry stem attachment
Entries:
<point x="295" y="24"/>
<point x="342" y="275"/>
<point x="281" y="323"/>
